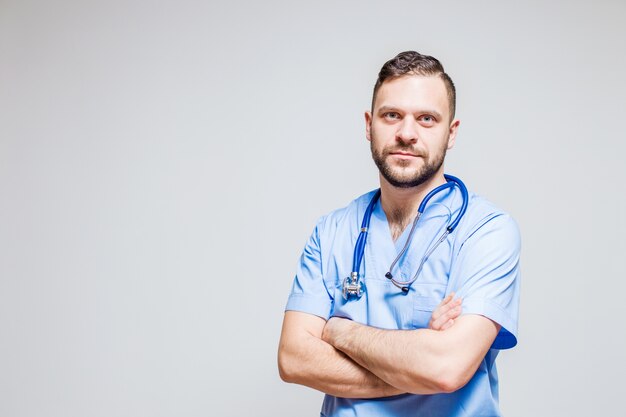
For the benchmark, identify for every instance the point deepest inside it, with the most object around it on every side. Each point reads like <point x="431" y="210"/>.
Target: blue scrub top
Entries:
<point x="479" y="261"/>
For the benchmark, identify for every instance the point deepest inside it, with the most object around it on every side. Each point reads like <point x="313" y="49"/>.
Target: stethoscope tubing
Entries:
<point x="359" y="248"/>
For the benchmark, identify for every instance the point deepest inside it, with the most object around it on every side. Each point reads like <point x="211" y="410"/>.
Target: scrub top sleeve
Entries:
<point x="487" y="276"/>
<point x="309" y="293"/>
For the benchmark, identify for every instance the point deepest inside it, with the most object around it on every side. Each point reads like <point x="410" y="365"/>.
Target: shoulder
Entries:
<point x="351" y="213"/>
<point x="484" y="217"/>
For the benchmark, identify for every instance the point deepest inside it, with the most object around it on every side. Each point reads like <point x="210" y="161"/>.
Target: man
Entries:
<point x="416" y="351"/>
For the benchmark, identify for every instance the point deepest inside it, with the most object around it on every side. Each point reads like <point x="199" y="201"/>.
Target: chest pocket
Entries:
<point x="382" y="305"/>
<point x="427" y="299"/>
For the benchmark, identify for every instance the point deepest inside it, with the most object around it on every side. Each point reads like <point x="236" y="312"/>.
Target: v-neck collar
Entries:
<point x="381" y="248"/>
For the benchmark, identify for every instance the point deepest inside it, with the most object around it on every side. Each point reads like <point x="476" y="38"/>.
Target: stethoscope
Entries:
<point x="352" y="285"/>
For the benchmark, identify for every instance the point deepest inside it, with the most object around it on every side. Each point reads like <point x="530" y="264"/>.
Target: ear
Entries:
<point x="454" y="128"/>
<point x="368" y="125"/>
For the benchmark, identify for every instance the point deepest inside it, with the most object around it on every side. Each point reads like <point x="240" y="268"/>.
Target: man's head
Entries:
<point x="414" y="63"/>
<point x="411" y="124"/>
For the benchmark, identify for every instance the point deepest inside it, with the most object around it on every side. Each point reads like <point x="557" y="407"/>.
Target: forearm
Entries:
<point x="391" y="354"/>
<point x="308" y="360"/>
<point x="418" y="361"/>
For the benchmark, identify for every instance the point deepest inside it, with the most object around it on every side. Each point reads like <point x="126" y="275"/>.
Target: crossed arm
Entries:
<point x="304" y="358"/>
<point x="347" y="359"/>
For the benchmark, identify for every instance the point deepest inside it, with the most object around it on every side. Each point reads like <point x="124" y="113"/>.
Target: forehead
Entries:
<point x="414" y="92"/>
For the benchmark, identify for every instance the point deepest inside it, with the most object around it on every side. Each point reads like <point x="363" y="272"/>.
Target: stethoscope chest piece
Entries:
<point x="352" y="286"/>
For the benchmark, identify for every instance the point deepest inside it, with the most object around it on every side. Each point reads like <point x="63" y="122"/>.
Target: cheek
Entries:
<point x="449" y="141"/>
<point x="377" y="138"/>
<point x="383" y="131"/>
<point x="436" y="139"/>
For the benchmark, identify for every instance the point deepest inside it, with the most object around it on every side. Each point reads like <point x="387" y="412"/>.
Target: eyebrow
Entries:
<point x="384" y="109"/>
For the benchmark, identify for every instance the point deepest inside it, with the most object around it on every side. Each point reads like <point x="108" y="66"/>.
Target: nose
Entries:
<point x="407" y="131"/>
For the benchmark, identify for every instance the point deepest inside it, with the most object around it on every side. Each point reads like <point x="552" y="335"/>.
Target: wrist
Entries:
<point x="343" y="333"/>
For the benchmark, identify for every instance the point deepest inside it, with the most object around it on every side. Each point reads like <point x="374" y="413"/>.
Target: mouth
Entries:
<point x="403" y="154"/>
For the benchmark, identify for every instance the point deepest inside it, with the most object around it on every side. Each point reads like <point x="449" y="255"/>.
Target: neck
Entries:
<point x="400" y="204"/>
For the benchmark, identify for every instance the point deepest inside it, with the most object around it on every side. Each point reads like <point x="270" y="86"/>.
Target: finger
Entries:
<point x="448" y="324"/>
<point x="440" y="309"/>
<point x="447" y="299"/>
<point x="445" y="306"/>
<point x="450" y="314"/>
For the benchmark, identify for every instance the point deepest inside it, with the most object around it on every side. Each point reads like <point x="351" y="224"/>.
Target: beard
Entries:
<point x="405" y="178"/>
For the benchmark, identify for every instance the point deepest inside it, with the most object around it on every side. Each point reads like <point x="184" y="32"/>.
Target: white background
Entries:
<point x="163" y="162"/>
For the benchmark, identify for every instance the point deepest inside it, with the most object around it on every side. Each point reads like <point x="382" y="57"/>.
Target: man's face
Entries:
<point x="410" y="129"/>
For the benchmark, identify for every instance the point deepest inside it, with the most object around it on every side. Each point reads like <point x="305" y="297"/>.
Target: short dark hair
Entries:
<point x="414" y="63"/>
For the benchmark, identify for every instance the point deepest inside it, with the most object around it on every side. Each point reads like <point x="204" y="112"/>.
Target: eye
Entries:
<point x="391" y="115"/>
<point x="427" y="119"/>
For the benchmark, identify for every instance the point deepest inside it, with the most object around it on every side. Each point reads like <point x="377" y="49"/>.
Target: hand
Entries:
<point x="446" y="312"/>
<point x="334" y="328"/>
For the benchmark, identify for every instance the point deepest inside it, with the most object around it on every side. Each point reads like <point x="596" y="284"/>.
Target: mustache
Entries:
<point x="404" y="149"/>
